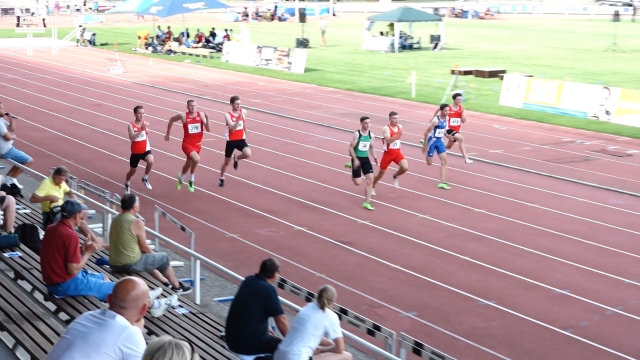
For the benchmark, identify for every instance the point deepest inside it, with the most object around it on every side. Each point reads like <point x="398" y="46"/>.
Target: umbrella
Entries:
<point x="131" y="6"/>
<point x="166" y="8"/>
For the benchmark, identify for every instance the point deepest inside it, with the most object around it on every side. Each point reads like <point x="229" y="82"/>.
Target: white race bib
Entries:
<point x="439" y="133"/>
<point x="455" y="121"/>
<point x="395" y="145"/>
<point x="142" y="136"/>
<point x="240" y="125"/>
<point x="363" y="146"/>
<point x="194" y="128"/>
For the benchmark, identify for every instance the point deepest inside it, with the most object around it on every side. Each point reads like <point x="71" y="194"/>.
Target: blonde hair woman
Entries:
<point x="167" y="348"/>
<point x="315" y="331"/>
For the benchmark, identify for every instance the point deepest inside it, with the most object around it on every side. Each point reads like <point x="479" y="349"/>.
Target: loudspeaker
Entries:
<point x="435" y="39"/>
<point x="616" y="16"/>
<point x="302" y="43"/>
<point x="302" y="15"/>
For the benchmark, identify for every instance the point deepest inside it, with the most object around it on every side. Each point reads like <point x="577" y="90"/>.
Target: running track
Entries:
<point x="507" y="264"/>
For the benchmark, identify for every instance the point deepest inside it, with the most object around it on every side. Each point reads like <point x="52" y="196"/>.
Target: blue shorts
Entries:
<point x="434" y="144"/>
<point x="16" y="155"/>
<point x="83" y="284"/>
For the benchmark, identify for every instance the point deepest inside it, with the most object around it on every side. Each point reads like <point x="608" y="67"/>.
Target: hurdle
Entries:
<point x="29" y="32"/>
<point x="194" y="263"/>
<point x="345" y="315"/>
<point x="407" y="343"/>
<point x="54" y="39"/>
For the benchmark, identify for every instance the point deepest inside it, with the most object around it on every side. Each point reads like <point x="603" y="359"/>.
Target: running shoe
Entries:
<point x="367" y="206"/>
<point x="190" y="186"/>
<point x="348" y="165"/>
<point x="183" y="289"/>
<point x="126" y="188"/>
<point x="153" y="294"/>
<point x="468" y="161"/>
<point x="444" y="186"/>
<point x="179" y="182"/>
<point x="221" y="182"/>
<point x="164" y="305"/>
<point x="422" y="141"/>
<point x="396" y="183"/>
<point x="235" y="162"/>
<point x="146" y="183"/>
<point x="15" y="181"/>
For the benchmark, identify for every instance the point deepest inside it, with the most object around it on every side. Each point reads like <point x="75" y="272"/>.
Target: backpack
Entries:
<point x="29" y="235"/>
<point x="12" y="190"/>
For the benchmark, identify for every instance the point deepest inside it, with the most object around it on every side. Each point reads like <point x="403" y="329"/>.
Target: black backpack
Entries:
<point x="12" y="190"/>
<point x="29" y="236"/>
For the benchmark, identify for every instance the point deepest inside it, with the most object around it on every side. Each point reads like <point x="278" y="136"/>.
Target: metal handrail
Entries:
<point x="199" y="258"/>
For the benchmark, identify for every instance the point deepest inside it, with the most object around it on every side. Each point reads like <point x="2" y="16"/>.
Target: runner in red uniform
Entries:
<point x="140" y="148"/>
<point x="391" y="135"/>
<point x="235" y="133"/>
<point x="454" y="123"/>
<point x="193" y="123"/>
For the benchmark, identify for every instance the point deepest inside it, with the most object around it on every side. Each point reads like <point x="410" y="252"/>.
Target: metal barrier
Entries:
<point x="407" y="343"/>
<point x="54" y="38"/>
<point x="345" y="315"/>
<point x="104" y="195"/>
<point x="195" y="264"/>
<point x="361" y="344"/>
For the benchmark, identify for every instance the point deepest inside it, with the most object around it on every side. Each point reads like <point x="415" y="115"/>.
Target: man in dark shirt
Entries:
<point x="247" y="328"/>
<point x="61" y="262"/>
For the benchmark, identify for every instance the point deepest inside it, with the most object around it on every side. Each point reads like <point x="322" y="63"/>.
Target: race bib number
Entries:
<point x="455" y="121"/>
<point x="364" y="146"/>
<point x="194" y="128"/>
<point x="142" y="136"/>
<point x="395" y="145"/>
<point x="439" y="133"/>
<point x="240" y="125"/>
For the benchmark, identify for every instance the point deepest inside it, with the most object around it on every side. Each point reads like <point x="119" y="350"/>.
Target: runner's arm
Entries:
<point x="244" y="116"/>
<point x="352" y="144"/>
<point x="463" y="117"/>
<point x="175" y="118"/>
<point x="232" y="126"/>
<point x="207" y="125"/>
<point x="133" y="135"/>
<point x="386" y="134"/>
<point x="432" y="125"/>
<point x="373" y="153"/>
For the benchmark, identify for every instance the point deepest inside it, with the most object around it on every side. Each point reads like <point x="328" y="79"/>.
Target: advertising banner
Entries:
<point x="271" y="57"/>
<point x="604" y="103"/>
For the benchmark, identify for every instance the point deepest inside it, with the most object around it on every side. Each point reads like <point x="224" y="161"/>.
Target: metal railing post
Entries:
<point x="196" y="283"/>
<point x="156" y="226"/>
<point x="192" y="260"/>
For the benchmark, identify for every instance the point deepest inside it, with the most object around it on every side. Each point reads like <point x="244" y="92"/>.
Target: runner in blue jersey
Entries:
<point x="433" y="142"/>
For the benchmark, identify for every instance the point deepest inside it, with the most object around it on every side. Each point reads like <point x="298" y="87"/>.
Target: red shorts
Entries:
<point x="390" y="156"/>
<point x="189" y="148"/>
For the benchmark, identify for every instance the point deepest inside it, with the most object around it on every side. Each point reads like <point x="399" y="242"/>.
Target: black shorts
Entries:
<point x="234" y="145"/>
<point x="135" y="159"/>
<point x="365" y="168"/>
<point x="451" y="132"/>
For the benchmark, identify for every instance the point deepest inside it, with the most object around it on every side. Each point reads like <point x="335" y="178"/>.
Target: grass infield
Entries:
<point x="553" y="48"/>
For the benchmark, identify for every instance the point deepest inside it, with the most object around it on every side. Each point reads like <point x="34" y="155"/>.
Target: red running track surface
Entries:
<point x="507" y="264"/>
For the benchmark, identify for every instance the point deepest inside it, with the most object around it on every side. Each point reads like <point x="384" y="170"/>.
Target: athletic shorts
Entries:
<point x="451" y="132"/>
<point x="390" y="156"/>
<point x="365" y="168"/>
<point x="435" y="144"/>
<point x="187" y="148"/>
<point x="16" y="155"/>
<point x="148" y="262"/>
<point x="234" y="145"/>
<point x="135" y="159"/>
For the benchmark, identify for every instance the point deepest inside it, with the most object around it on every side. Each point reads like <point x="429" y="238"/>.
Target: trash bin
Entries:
<point x="435" y="39"/>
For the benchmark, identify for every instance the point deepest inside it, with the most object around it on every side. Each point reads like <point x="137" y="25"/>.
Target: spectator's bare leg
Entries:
<point x="15" y="171"/>
<point x="158" y="276"/>
<point x="171" y="276"/>
<point x="9" y="210"/>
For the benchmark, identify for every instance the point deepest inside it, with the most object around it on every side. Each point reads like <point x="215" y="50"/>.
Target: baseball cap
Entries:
<point x="72" y="207"/>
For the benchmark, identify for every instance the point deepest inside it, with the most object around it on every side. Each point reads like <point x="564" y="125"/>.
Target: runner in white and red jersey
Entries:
<point x="193" y="123"/>
<point x="391" y="135"/>
<point x="454" y="123"/>
<point x="140" y="148"/>
<point x="235" y="133"/>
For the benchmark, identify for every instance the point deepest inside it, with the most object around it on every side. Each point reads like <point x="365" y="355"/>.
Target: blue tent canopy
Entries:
<point x="166" y="8"/>
<point x="131" y="6"/>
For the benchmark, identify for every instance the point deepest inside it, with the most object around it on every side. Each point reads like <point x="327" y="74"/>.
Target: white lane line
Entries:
<point x="369" y="224"/>
<point x="340" y="244"/>
<point x="451" y="168"/>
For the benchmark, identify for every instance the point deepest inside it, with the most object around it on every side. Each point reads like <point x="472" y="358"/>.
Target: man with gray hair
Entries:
<point x="50" y="193"/>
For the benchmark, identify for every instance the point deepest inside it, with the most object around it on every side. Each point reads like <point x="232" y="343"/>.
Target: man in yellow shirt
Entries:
<point x="143" y="36"/>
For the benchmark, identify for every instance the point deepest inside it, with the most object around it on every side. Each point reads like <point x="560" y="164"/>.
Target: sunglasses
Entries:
<point x="193" y="350"/>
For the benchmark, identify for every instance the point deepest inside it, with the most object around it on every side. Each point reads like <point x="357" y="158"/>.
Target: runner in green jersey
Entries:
<point x="359" y="149"/>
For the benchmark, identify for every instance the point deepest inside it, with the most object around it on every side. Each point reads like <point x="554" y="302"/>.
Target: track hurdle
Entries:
<point x="195" y="263"/>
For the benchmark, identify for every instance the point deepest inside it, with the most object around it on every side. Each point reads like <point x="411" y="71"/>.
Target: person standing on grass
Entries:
<point x="391" y="143"/>
<point x="323" y="30"/>
<point x="235" y="133"/>
<point x="193" y="123"/>
<point x="359" y="149"/>
<point x="433" y="142"/>
<point x="140" y="148"/>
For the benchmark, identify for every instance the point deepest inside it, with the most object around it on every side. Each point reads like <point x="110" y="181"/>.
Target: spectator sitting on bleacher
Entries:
<point x="212" y="36"/>
<point x="7" y="150"/>
<point x="199" y="40"/>
<point x="167" y="348"/>
<point x="159" y="35"/>
<point x="306" y="338"/>
<point x="168" y="36"/>
<point x="129" y="252"/>
<point x="143" y="37"/>
<point x="61" y="262"/>
<point x="247" y="327"/>
<point x="114" y="333"/>
<point x="8" y="207"/>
